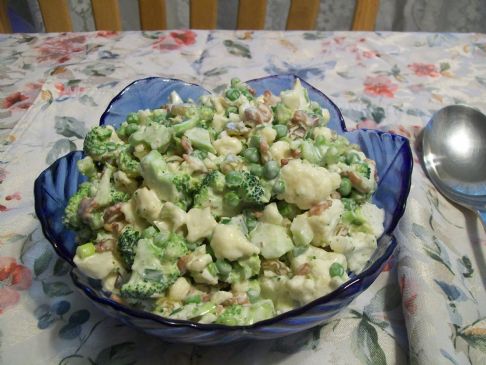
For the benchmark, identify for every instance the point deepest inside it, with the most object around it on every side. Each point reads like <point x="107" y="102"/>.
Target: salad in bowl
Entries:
<point x="230" y="209"/>
<point x="211" y="219"/>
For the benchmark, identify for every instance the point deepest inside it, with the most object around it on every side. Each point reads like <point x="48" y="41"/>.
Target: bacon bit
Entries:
<point x="269" y="98"/>
<point x="265" y="112"/>
<point x="284" y="161"/>
<point x="355" y="179"/>
<point x="113" y="213"/>
<point x="341" y="230"/>
<point x="105" y="245"/>
<point x="251" y="91"/>
<point x="182" y="264"/>
<point x="205" y="297"/>
<point x="300" y="117"/>
<point x="295" y="153"/>
<point x="86" y="206"/>
<point x="276" y="266"/>
<point x="186" y="145"/>
<point x="115" y="227"/>
<point x="258" y="215"/>
<point x="303" y="269"/>
<point x="319" y="208"/>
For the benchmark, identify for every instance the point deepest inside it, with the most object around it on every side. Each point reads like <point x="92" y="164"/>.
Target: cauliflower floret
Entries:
<point x="229" y="242"/>
<point x="312" y="277"/>
<point x="318" y="228"/>
<point x="272" y="215"/>
<point x="357" y="248"/>
<point x="129" y="210"/>
<point x="268" y="133"/>
<point x="275" y="288"/>
<point x="147" y="204"/>
<point x="221" y="296"/>
<point x="197" y="262"/>
<point x="226" y="145"/>
<point x="375" y="217"/>
<point x="272" y="240"/>
<point x="280" y="150"/>
<point x="322" y="131"/>
<point x="171" y="218"/>
<point x="200" y="224"/>
<point x="179" y="290"/>
<point x="307" y="185"/>
<point x="98" y="265"/>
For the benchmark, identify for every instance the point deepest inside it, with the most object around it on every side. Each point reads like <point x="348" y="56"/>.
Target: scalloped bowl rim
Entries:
<point x="352" y="282"/>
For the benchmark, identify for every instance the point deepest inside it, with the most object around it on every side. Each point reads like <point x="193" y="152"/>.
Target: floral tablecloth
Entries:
<point x="428" y="306"/>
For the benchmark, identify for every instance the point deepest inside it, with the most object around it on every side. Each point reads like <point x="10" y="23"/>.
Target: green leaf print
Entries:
<point x="119" y="354"/>
<point x="216" y="71"/>
<point x="99" y="69"/>
<point x="237" y="48"/>
<point x="312" y="36"/>
<point x="385" y="300"/>
<point x="70" y="127"/>
<point x="468" y="267"/>
<point x="42" y="262"/>
<point x="366" y="346"/>
<point x="60" y="268"/>
<point x="56" y="289"/>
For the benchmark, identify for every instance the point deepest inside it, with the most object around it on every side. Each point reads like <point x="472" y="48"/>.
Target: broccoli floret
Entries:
<point x="173" y="247"/>
<point x="126" y="130"/>
<point x="140" y="288"/>
<point x="71" y="218"/>
<point x="157" y="136"/>
<point x="363" y="169"/>
<point x="153" y="271"/>
<point x="210" y="193"/>
<point x="118" y="196"/>
<point x="251" y="190"/>
<point x="101" y="143"/>
<point x="282" y="113"/>
<point x="127" y="244"/>
<point x="242" y="269"/>
<point x="233" y="315"/>
<point x="128" y="164"/>
<point x="87" y="167"/>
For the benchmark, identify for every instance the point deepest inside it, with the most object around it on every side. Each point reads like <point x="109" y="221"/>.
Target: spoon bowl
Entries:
<point x="454" y="155"/>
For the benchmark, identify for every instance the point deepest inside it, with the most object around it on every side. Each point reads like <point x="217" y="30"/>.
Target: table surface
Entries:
<point x="428" y="306"/>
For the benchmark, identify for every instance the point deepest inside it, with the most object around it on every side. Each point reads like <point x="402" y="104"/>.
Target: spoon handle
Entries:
<point x="482" y="216"/>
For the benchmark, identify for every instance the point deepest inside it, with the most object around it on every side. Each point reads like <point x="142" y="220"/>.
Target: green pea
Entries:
<point x="233" y="179"/>
<point x="252" y="155"/>
<point x="320" y="140"/>
<point x="255" y="141"/>
<point x="232" y="199"/>
<point x="256" y="169"/>
<point x="345" y="187"/>
<point x="223" y="267"/>
<point x="193" y="299"/>
<point x="271" y="170"/>
<point x="231" y="109"/>
<point x="352" y="158"/>
<point x="336" y="269"/>
<point x="349" y="204"/>
<point x="281" y="130"/>
<point x="278" y="187"/>
<point x="85" y="250"/>
<point x="232" y="94"/>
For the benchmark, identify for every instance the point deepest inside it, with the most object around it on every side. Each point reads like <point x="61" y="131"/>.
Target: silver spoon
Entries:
<point x="454" y="155"/>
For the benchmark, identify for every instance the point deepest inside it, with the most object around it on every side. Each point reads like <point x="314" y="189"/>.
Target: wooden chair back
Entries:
<point x="203" y="14"/>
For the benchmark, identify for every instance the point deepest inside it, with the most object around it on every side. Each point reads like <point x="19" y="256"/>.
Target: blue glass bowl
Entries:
<point x="393" y="157"/>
